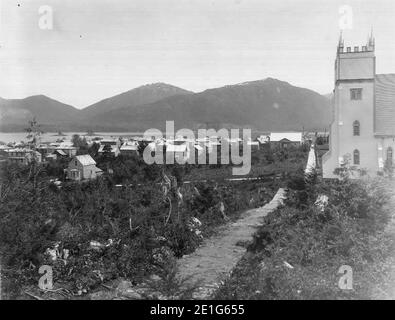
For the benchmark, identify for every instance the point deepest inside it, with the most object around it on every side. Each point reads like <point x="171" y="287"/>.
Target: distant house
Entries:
<point x="286" y="139"/>
<point x="181" y="151"/>
<point x="61" y="153"/>
<point x="22" y="156"/>
<point x="253" y="144"/>
<point x="50" y="157"/>
<point x="70" y="151"/>
<point x="59" y="149"/>
<point x="82" y="167"/>
<point x="262" y="139"/>
<point x="111" y="146"/>
<point x="57" y="154"/>
<point x="3" y="151"/>
<point x="129" y="148"/>
<point x="199" y="149"/>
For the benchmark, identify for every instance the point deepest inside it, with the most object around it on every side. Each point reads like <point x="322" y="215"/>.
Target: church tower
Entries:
<point x="352" y="129"/>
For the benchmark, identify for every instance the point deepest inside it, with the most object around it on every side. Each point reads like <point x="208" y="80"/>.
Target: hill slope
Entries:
<point x="142" y="95"/>
<point x="51" y="114"/>
<point x="267" y="104"/>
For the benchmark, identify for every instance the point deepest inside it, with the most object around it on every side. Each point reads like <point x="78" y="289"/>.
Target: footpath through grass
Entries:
<point x="299" y="250"/>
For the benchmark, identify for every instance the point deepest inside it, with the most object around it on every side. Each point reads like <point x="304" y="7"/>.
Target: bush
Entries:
<point x="114" y="231"/>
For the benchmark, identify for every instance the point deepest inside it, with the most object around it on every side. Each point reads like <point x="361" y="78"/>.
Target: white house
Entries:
<point x="129" y="148"/>
<point x="82" y="167"/>
<point x="284" y="139"/>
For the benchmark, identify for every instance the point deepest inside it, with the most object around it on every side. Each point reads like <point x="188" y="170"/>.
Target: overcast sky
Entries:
<point x="99" y="48"/>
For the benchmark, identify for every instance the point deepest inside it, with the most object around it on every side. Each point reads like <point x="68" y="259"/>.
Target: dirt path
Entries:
<point x="204" y="269"/>
<point x="217" y="256"/>
<point x="311" y="161"/>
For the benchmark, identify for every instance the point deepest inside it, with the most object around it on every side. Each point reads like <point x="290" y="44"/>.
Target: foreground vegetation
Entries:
<point x="299" y="250"/>
<point x="95" y="231"/>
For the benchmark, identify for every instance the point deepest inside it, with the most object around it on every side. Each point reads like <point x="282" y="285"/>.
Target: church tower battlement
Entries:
<point x="355" y="63"/>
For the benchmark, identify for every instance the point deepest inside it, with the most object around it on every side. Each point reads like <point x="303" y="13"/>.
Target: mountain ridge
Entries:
<point x="147" y="93"/>
<point x="265" y="104"/>
<point x="229" y="106"/>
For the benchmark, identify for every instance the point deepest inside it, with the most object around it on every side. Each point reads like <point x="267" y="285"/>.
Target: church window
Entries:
<point x="356" y="128"/>
<point x="356" y="94"/>
<point x="356" y="157"/>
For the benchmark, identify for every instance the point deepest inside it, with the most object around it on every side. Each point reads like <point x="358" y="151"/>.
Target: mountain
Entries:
<point x="54" y="115"/>
<point x="266" y="105"/>
<point x="15" y="113"/>
<point x="142" y="95"/>
<point x="269" y="105"/>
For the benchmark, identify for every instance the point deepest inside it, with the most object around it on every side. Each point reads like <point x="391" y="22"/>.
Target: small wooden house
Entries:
<point x="82" y="167"/>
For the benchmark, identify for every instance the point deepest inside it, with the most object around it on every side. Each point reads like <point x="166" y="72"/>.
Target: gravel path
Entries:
<point x="217" y="256"/>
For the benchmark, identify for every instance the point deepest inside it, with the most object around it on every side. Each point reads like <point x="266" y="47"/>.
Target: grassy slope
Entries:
<point x="316" y="244"/>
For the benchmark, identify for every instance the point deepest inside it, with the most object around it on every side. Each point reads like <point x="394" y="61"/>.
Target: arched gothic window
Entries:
<point x="356" y="157"/>
<point x="356" y="128"/>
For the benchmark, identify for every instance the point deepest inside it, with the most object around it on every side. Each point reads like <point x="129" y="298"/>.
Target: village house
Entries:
<point x="199" y="150"/>
<point x="262" y="139"/>
<point x="110" y="146"/>
<point x="254" y="145"/>
<point x="82" y="167"/>
<point x="286" y="139"/>
<point x="362" y="133"/>
<point x="180" y="150"/>
<point x="3" y="151"/>
<point x="129" y="148"/>
<point x="22" y="156"/>
<point x="55" y="149"/>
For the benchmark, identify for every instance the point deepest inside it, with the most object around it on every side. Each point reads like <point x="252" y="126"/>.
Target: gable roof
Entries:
<point x="61" y="152"/>
<point x="85" y="160"/>
<point x="129" y="147"/>
<point x="385" y="104"/>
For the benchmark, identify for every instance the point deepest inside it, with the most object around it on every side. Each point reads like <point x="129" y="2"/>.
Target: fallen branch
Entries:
<point x="170" y="209"/>
<point x="62" y="291"/>
<point x="33" y="296"/>
<point x="107" y="287"/>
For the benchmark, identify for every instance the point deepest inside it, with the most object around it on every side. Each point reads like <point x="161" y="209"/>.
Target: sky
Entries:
<point x="99" y="48"/>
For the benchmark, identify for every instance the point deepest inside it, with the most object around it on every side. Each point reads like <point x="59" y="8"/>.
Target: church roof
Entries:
<point x="385" y="104"/>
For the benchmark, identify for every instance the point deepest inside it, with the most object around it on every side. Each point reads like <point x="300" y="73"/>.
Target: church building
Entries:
<point x="362" y="133"/>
